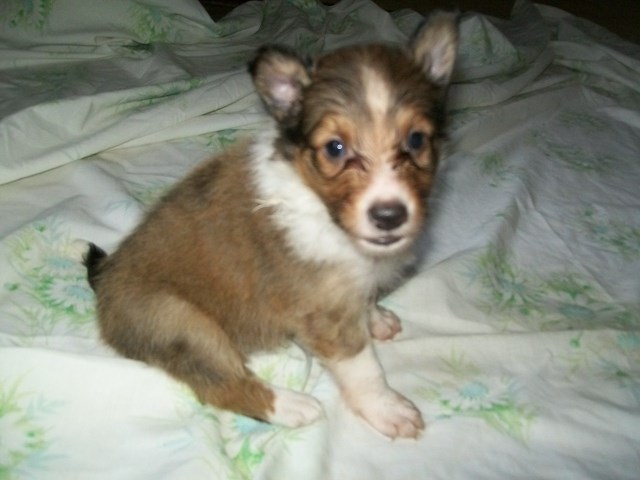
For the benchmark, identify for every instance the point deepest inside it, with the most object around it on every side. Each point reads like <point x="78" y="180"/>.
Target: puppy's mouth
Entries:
<point x="383" y="244"/>
<point x="384" y="241"/>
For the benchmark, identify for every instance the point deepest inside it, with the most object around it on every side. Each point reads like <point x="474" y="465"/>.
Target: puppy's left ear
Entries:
<point x="434" y="46"/>
<point x="280" y="77"/>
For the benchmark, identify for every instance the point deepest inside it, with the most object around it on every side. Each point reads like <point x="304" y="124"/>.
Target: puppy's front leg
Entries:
<point x="365" y="389"/>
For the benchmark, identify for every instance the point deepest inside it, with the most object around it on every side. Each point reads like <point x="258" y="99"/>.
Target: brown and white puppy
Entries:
<point x="291" y="237"/>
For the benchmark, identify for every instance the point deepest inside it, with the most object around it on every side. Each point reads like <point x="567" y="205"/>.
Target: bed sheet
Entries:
<point x="521" y="340"/>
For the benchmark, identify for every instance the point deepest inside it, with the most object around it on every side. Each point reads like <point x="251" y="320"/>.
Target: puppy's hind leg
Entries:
<point x="197" y="351"/>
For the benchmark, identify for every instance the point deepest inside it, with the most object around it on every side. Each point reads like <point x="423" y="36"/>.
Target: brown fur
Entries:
<point x="334" y="107"/>
<point x="205" y="280"/>
<point x="208" y="278"/>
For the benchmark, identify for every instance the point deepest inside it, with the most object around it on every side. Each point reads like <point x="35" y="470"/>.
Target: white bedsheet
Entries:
<point x="521" y="341"/>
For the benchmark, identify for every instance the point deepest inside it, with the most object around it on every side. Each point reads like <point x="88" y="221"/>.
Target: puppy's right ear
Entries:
<point x="435" y="44"/>
<point x="280" y="77"/>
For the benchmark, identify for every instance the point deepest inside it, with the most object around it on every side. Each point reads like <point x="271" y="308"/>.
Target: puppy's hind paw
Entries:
<point x="292" y="409"/>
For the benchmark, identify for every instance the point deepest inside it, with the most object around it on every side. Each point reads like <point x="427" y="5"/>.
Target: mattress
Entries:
<point x="521" y="326"/>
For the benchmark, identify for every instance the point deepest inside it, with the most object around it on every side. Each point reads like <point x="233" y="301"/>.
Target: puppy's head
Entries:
<point x="363" y="127"/>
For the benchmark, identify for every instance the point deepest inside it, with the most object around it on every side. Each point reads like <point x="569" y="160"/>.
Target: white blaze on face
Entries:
<point x="376" y="92"/>
<point x="377" y="143"/>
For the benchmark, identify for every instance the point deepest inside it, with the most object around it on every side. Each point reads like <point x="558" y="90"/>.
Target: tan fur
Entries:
<point x="205" y="280"/>
<point x="372" y="137"/>
<point x="213" y="274"/>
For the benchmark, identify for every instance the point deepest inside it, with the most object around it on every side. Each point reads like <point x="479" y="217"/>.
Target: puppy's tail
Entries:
<point x="92" y="260"/>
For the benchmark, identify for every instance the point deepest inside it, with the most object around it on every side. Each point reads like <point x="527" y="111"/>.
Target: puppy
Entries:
<point x="292" y="236"/>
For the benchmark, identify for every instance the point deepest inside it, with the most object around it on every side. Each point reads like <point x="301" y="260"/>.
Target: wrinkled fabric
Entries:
<point x="521" y="338"/>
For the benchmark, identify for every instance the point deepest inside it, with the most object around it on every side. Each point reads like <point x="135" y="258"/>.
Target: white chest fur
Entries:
<point x="309" y="230"/>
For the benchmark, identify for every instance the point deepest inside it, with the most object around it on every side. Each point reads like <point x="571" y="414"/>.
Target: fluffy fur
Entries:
<point x="291" y="237"/>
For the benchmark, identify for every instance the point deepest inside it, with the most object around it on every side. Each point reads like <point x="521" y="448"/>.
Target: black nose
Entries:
<point x="388" y="215"/>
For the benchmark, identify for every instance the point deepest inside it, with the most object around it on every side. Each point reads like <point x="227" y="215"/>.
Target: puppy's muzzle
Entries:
<point x="387" y="218"/>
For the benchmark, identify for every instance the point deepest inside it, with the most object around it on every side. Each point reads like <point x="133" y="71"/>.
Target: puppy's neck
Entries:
<point x="296" y="209"/>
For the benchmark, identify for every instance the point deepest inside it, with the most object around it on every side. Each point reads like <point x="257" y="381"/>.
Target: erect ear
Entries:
<point x="280" y="77"/>
<point x="434" y="46"/>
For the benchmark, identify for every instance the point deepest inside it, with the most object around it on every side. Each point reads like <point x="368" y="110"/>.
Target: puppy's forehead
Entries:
<point x="368" y="82"/>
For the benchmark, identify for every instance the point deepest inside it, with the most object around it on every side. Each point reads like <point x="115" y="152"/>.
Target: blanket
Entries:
<point x="521" y="327"/>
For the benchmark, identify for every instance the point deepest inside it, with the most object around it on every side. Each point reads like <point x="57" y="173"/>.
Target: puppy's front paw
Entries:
<point x="383" y="323"/>
<point x="391" y="414"/>
<point x="292" y="409"/>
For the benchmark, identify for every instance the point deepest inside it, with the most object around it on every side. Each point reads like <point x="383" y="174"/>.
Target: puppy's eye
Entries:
<point x="416" y="140"/>
<point x="335" y="149"/>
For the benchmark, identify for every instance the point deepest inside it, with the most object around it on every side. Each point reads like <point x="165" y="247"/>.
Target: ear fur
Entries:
<point x="434" y="46"/>
<point x="280" y="76"/>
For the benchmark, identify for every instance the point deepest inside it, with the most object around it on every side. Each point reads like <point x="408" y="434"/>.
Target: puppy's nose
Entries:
<point x="388" y="215"/>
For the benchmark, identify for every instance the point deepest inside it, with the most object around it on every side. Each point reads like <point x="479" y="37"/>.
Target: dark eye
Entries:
<point x="335" y="149"/>
<point x="416" y="141"/>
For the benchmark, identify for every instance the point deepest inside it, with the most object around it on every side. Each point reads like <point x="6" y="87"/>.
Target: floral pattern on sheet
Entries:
<point x="247" y="440"/>
<point x="573" y="157"/>
<point x="31" y="14"/>
<point x="25" y="439"/>
<point x="626" y="372"/>
<point x="496" y="167"/>
<point x="239" y="442"/>
<point x="462" y="117"/>
<point x="221" y="140"/>
<point x="486" y="45"/>
<point x="148" y="194"/>
<point x="470" y="392"/>
<point x="591" y="340"/>
<point x="142" y="195"/>
<point x="613" y="358"/>
<point x="512" y="296"/>
<point x="197" y="425"/>
<point x="55" y="81"/>
<point x="153" y="23"/>
<point x="314" y="11"/>
<point x="49" y="292"/>
<point x="321" y="19"/>
<point x="588" y="157"/>
<point x="614" y="235"/>
<point x="154" y="94"/>
<point x="583" y="121"/>
<point x="343" y="24"/>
